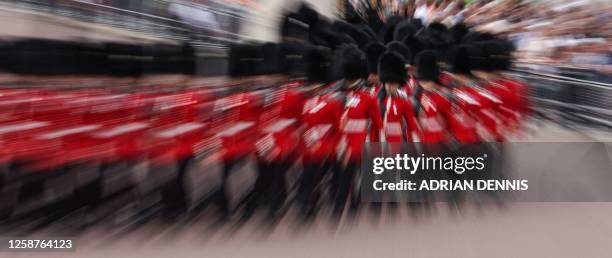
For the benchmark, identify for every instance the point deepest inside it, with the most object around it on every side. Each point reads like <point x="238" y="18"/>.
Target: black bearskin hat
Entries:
<point x="309" y="15"/>
<point x="320" y="34"/>
<point x="427" y="66"/>
<point x="368" y="30"/>
<point x="343" y="39"/>
<point x="401" y="49"/>
<point x="243" y="58"/>
<point x="391" y="68"/>
<point x="272" y="58"/>
<point x="360" y="37"/>
<point x="404" y="29"/>
<point x="294" y="26"/>
<point x="415" y="44"/>
<point x="436" y="26"/>
<point x="497" y="54"/>
<point x="387" y="32"/>
<point x="373" y="51"/>
<point x="292" y="58"/>
<point x="464" y="58"/>
<point x="457" y="32"/>
<point x="418" y="23"/>
<point x="475" y="36"/>
<point x="318" y="62"/>
<point x="350" y="63"/>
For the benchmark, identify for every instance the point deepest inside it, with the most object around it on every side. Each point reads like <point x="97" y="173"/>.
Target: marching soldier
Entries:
<point x="399" y="122"/>
<point x="433" y="108"/>
<point x="467" y="93"/>
<point x="373" y="51"/>
<point x="360" y="118"/>
<point x="408" y="84"/>
<point x="320" y="133"/>
<point x="511" y="92"/>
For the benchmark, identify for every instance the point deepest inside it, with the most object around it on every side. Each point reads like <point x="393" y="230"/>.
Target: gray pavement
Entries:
<point x="535" y="229"/>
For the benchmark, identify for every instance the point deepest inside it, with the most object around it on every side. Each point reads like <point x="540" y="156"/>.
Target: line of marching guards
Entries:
<point x="271" y="139"/>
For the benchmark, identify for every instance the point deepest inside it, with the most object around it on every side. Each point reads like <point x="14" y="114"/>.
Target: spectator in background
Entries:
<point x="423" y="10"/>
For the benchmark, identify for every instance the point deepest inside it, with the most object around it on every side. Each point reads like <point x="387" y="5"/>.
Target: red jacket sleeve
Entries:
<point x="376" y="117"/>
<point x="412" y="125"/>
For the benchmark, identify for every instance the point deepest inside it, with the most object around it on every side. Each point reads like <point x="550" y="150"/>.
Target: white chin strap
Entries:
<point x="355" y="84"/>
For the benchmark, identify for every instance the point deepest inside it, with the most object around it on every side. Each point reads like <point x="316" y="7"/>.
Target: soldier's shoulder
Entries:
<point x="403" y="95"/>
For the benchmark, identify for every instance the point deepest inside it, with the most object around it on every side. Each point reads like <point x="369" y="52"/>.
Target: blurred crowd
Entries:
<point x="573" y="33"/>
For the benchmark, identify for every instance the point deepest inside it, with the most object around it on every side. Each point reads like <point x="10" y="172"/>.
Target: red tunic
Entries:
<point x="447" y="80"/>
<point x="360" y="110"/>
<point x="399" y="121"/>
<point x="434" y="109"/>
<point x="411" y="86"/>
<point x="281" y="133"/>
<point x="464" y="118"/>
<point x="520" y="102"/>
<point x="321" y="121"/>
<point x="240" y="127"/>
<point x="374" y="89"/>
<point x="484" y="107"/>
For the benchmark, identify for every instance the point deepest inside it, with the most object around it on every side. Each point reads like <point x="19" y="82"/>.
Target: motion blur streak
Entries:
<point x="179" y="127"/>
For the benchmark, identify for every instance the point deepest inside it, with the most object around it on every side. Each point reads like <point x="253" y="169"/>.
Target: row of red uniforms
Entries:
<point x="291" y="123"/>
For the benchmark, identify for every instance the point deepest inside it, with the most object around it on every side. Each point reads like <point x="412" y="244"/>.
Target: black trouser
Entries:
<point x="346" y="177"/>
<point x="334" y="183"/>
<point x="309" y="190"/>
<point x="8" y="192"/>
<point x="269" y="189"/>
<point x="174" y="194"/>
<point x="73" y="195"/>
<point x="223" y="194"/>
